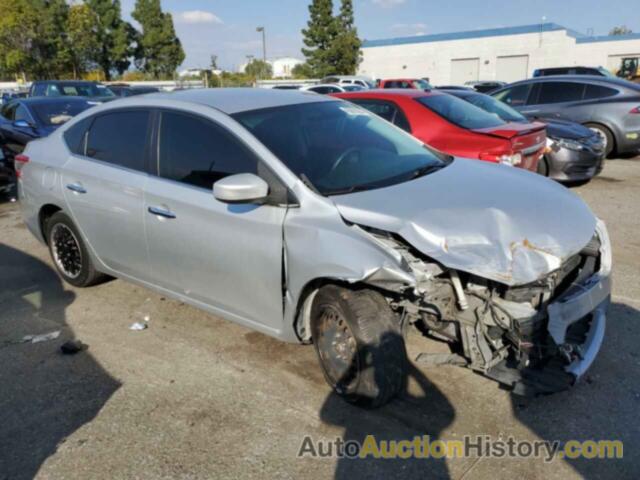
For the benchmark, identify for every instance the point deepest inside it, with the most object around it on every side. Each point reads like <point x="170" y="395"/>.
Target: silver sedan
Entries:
<point x="312" y="220"/>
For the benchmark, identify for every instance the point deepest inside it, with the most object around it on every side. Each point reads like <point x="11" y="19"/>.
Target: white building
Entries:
<point x="506" y="54"/>
<point x="282" y="67"/>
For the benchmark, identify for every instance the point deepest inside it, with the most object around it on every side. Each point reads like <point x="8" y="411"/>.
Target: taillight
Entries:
<point x="20" y="160"/>
<point x="635" y="110"/>
<point x="512" y="159"/>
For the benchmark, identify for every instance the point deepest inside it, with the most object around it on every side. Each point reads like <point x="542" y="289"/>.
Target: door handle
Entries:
<point x="76" y="188"/>
<point x="161" y="212"/>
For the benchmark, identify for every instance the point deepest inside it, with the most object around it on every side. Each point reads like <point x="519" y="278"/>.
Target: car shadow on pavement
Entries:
<point x="602" y="406"/>
<point x="45" y="396"/>
<point x="421" y="410"/>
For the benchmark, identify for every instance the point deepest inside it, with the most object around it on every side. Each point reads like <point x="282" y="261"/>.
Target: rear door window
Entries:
<point x="198" y="152"/>
<point x="560" y="92"/>
<point x="120" y="138"/>
<point x="516" y="96"/>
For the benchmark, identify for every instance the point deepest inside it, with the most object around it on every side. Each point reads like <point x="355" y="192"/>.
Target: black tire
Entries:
<point x="359" y="344"/>
<point x="69" y="253"/>
<point x="543" y="167"/>
<point x="606" y="134"/>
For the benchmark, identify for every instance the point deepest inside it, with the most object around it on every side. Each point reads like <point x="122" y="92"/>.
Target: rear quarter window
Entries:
<point x="75" y="136"/>
<point x="599" y="91"/>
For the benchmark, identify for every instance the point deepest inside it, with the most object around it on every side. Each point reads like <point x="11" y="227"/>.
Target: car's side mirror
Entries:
<point x="22" y="124"/>
<point x="241" y="188"/>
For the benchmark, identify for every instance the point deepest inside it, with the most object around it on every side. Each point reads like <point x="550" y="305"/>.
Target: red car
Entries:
<point x="456" y="127"/>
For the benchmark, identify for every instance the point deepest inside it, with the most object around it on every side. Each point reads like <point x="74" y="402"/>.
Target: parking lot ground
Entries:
<point x="194" y="396"/>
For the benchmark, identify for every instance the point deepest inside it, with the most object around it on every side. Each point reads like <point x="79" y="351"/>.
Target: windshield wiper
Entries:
<point x="425" y="170"/>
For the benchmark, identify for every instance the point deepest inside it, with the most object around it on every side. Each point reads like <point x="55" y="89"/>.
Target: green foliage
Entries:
<point x="259" y="69"/>
<point x="620" y="30"/>
<point x="346" y="47"/>
<point x="332" y="42"/>
<point x="82" y="45"/>
<point x="302" y="71"/>
<point x="116" y="37"/>
<point x="161" y="50"/>
<point x="319" y="36"/>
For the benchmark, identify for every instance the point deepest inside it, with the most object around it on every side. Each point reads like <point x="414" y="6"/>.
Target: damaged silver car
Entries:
<point x="312" y="220"/>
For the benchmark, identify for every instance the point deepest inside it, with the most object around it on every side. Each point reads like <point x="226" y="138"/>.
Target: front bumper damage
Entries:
<point x="576" y="323"/>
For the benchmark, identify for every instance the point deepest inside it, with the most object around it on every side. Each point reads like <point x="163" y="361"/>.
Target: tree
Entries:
<point x="82" y="43"/>
<point x="160" y="47"/>
<point x="32" y="38"/>
<point x="302" y="70"/>
<point x="620" y="30"/>
<point x="259" y="69"/>
<point x="319" y="37"/>
<point x="117" y="38"/>
<point x="346" y="47"/>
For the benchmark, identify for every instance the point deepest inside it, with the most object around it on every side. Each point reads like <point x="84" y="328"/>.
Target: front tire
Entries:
<point x="69" y="253"/>
<point x="606" y="135"/>
<point x="359" y="344"/>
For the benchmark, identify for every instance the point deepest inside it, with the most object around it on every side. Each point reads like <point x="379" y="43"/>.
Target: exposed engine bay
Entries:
<point x="504" y="332"/>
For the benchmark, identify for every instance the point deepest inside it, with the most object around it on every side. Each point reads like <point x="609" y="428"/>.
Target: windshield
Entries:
<point x="55" y="114"/>
<point x="459" y="112"/>
<point x="337" y="147"/>
<point x="606" y="73"/>
<point x="491" y="105"/>
<point x="422" y="84"/>
<point x="86" y="90"/>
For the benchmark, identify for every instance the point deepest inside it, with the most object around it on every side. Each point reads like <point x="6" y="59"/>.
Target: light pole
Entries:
<point x="264" y="44"/>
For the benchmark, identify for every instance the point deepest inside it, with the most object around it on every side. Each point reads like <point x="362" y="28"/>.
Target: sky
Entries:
<point x="227" y="28"/>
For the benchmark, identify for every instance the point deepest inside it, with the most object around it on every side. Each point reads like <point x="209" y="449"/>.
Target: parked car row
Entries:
<point x="313" y="220"/>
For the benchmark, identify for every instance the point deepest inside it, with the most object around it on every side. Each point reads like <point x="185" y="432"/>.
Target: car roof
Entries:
<point x="390" y="93"/>
<point x="72" y="82"/>
<point x="460" y="92"/>
<point x="236" y="100"/>
<point x="51" y="100"/>
<point x="579" y="78"/>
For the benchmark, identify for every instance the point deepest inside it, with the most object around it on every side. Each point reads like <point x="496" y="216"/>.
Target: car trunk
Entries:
<point x="528" y="139"/>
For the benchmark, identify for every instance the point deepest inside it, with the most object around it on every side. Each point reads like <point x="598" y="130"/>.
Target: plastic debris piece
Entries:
<point x="137" y="326"/>
<point x="45" y="337"/>
<point x="73" y="346"/>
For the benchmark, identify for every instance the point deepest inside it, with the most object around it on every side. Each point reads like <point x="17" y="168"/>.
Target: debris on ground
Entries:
<point x="45" y="337"/>
<point x="73" y="346"/>
<point x="137" y="326"/>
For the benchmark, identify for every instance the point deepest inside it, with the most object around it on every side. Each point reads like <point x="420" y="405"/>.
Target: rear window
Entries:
<point x="119" y="138"/>
<point x="58" y="113"/>
<point x="460" y="112"/>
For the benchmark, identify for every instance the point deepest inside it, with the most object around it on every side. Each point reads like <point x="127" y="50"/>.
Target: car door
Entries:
<point x="225" y="256"/>
<point x="18" y="130"/>
<point x="103" y="182"/>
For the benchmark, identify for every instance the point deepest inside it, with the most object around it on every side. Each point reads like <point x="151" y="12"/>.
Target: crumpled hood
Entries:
<point x="497" y="222"/>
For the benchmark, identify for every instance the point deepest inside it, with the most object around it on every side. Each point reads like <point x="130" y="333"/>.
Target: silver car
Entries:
<point x="312" y="220"/>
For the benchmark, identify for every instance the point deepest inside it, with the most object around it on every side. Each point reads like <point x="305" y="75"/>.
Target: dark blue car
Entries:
<point x="23" y="120"/>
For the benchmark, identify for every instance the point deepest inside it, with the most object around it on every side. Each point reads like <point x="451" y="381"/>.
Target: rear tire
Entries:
<point x="69" y="253"/>
<point x="359" y="344"/>
<point x="606" y="134"/>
